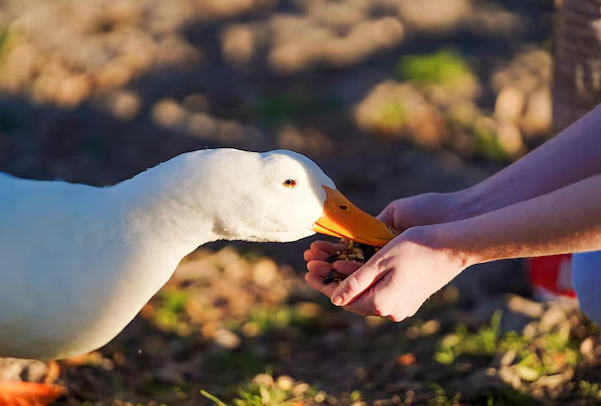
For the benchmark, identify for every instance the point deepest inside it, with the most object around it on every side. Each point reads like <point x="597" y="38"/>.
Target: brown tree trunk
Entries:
<point x="577" y="81"/>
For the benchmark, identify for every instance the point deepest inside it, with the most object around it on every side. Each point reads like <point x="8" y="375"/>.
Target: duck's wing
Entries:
<point x="49" y="251"/>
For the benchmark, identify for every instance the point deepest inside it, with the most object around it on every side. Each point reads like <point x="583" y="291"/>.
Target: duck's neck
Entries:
<point x="161" y="212"/>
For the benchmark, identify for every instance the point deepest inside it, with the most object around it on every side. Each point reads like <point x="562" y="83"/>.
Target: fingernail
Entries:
<point x="336" y="300"/>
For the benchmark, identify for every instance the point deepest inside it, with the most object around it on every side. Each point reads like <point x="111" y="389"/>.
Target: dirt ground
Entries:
<point x="390" y="97"/>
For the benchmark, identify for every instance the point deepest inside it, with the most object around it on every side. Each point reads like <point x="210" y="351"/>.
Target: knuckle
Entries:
<point x="352" y="285"/>
<point x="394" y="318"/>
<point x="380" y="309"/>
<point x="412" y="311"/>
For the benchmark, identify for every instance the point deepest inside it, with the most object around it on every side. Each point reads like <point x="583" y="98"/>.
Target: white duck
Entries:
<point x="77" y="263"/>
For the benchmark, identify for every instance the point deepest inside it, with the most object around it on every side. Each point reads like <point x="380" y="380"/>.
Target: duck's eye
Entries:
<point x="289" y="183"/>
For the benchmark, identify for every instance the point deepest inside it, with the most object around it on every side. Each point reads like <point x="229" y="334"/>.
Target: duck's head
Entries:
<point x="279" y="196"/>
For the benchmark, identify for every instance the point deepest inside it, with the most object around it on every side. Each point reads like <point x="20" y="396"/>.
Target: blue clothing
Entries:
<point x="586" y="278"/>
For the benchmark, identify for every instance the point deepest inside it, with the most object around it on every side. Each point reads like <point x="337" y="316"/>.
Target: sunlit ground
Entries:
<point x="391" y="97"/>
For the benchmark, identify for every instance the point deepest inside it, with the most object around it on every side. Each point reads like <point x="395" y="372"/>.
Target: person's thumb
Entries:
<point x="355" y="284"/>
<point x="387" y="215"/>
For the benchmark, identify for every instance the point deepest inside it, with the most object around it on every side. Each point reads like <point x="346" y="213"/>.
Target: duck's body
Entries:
<point x="70" y="278"/>
<point x="77" y="262"/>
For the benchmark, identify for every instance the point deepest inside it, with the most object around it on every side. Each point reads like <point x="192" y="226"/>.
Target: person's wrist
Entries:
<point x="463" y="204"/>
<point x="450" y="238"/>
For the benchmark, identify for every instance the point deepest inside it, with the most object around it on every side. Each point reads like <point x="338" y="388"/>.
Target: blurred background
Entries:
<point x="391" y="98"/>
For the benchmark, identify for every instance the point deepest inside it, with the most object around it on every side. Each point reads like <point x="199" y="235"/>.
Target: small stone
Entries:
<point x="430" y="327"/>
<point x="112" y="75"/>
<point x="526" y="373"/>
<point x="509" y="375"/>
<point x="554" y="381"/>
<point x="427" y="125"/>
<point x="530" y="330"/>
<point x="539" y="112"/>
<point x="72" y="90"/>
<point x="508" y="358"/>
<point x="510" y="139"/>
<point x="238" y="43"/>
<point x="552" y="318"/>
<point x="263" y="380"/>
<point x="227" y="339"/>
<point x="290" y="58"/>
<point x="320" y="397"/>
<point x="587" y="350"/>
<point x="300" y="389"/>
<point x="265" y="272"/>
<point x="337" y="15"/>
<point x="19" y="66"/>
<point x="123" y="104"/>
<point x="251" y="329"/>
<point x="202" y="126"/>
<point x="434" y="15"/>
<point x="387" y="31"/>
<point x="123" y="12"/>
<point x="227" y="256"/>
<point x="509" y="104"/>
<point x="168" y="113"/>
<point x="527" y="307"/>
<point x="285" y="382"/>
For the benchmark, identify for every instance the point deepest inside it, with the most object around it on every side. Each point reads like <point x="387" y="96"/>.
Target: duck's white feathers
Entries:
<point x="77" y="262"/>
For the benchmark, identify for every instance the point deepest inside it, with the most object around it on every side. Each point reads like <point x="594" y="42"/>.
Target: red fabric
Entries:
<point x="552" y="273"/>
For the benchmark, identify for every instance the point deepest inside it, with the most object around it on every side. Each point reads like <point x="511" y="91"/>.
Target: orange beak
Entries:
<point x="343" y="219"/>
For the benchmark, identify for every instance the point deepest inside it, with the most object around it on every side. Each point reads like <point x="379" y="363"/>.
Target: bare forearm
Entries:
<point x="566" y="220"/>
<point x="572" y="155"/>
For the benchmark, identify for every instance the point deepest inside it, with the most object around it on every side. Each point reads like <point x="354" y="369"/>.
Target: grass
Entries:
<point x="481" y="343"/>
<point x="488" y="342"/>
<point x="487" y="143"/>
<point x="508" y="397"/>
<point x="291" y="105"/>
<point x="444" y="67"/>
<point x="168" y="315"/>
<point x="440" y="396"/>
<point x="590" y="390"/>
<point x="392" y="115"/>
<point x="333" y="357"/>
<point x="6" y="41"/>
<point x="264" y="390"/>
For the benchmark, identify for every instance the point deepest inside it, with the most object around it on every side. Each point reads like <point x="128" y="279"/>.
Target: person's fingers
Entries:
<point x="315" y="254"/>
<point x="379" y="300"/>
<point x="327" y="246"/>
<point x="362" y="305"/>
<point x="322" y="250"/>
<point x="387" y="215"/>
<point x="346" y="267"/>
<point x="316" y="282"/>
<point x="359" y="281"/>
<point x="342" y="267"/>
<point x="319" y="268"/>
<point x="373" y="301"/>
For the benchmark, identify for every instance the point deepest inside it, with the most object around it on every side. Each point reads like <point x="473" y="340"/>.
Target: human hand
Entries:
<point x="395" y="282"/>
<point x="401" y="214"/>
<point x="425" y="209"/>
